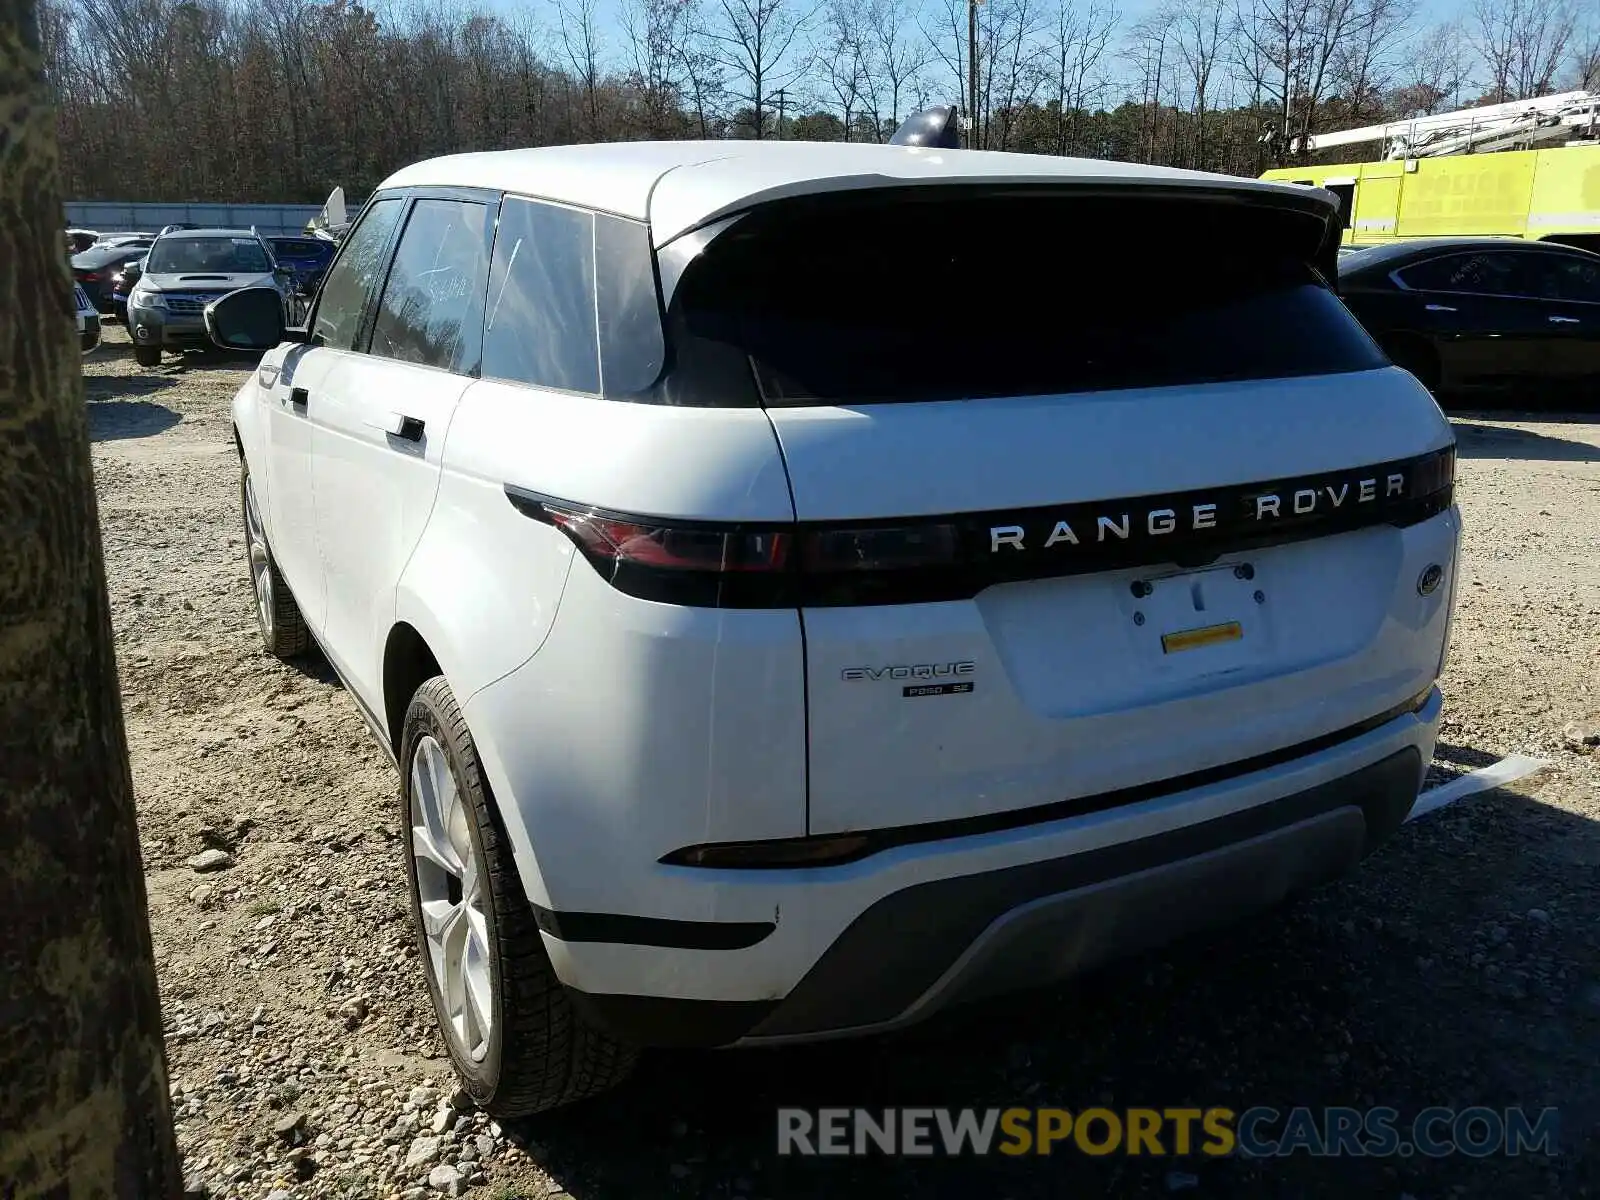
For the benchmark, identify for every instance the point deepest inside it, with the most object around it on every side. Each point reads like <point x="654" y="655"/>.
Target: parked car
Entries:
<point x="306" y="257"/>
<point x="185" y="271"/>
<point x="96" y="269"/>
<point x="122" y="284"/>
<point x="1483" y="317"/>
<point x="764" y="662"/>
<point x="87" y="318"/>
<point x="79" y="240"/>
<point x="124" y="239"/>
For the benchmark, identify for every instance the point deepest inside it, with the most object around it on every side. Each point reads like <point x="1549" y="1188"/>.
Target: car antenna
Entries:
<point x="939" y="126"/>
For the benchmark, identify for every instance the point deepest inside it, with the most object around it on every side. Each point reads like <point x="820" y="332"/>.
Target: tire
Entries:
<point x="147" y="356"/>
<point x="538" y="1053"/>
<point x="283" y="629"/>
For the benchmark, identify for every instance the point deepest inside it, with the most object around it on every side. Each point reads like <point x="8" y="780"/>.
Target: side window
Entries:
<point x="1566" y="277"/>
<point x="344" y="294"/>
<point x="432" y="305"/>
<point x="632" y="346"/>
<point x="1492" y="273"/>
<point x="539" y="322"/>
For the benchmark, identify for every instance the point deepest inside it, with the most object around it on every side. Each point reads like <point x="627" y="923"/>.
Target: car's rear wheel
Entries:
<point x="147" y="356"/>
<point x="283" y="629"/>
<point x="516" y="1042"/>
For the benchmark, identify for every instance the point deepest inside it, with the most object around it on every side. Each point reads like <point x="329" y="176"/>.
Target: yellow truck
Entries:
<point x="1448" y="175"/>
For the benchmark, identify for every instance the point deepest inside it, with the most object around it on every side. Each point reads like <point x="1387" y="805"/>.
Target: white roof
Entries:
<point x="679" y="186"/>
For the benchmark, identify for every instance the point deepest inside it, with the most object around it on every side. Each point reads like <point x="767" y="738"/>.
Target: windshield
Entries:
<point x="206" y="255"/>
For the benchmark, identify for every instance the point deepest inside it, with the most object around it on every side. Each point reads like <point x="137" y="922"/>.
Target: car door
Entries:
<point x="1568" y="286"/>
<point x="1474" y="307"/>
<point x="382" y="419"/>
<point x="293" y="383"/>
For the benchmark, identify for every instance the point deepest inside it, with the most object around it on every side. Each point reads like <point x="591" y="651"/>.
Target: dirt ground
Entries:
<point x="1460" y="966"/>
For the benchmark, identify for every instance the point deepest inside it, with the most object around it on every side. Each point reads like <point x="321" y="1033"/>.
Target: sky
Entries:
<point x="614" y="37"/>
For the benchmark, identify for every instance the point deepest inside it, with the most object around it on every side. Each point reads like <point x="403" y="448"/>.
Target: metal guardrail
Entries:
<point x="109" y="216"/>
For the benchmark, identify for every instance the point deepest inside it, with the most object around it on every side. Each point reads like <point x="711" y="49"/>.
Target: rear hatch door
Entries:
<point x="1078" y="515"/>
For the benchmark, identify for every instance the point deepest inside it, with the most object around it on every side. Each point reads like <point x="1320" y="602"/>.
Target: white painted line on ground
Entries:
<point x="1508" y="770"/>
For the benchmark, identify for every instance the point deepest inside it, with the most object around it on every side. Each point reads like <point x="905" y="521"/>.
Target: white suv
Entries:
<point x="805" y="585"/>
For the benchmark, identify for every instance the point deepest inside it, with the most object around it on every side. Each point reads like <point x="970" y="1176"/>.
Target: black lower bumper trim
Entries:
<point x="892" y="953"/>
<point x="895" y="951"/>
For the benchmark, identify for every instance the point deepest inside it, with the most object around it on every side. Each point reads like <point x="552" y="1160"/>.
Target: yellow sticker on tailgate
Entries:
<point x="1193" y="639"/>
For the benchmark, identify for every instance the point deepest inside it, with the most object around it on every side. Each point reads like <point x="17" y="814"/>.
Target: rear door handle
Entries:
<point x="398" y="425"/>
<point x="1439" y="308"/>
<point x="1565" y="321"/>
<point x="299" y="397"/>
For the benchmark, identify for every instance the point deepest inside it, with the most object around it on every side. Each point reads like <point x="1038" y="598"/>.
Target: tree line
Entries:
<point x="279" y="100"/>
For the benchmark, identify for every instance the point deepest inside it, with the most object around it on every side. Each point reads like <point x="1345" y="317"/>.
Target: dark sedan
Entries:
<point x="306" y="257"/>
<point x="95" y="270"/>
<point x="1482" y="317"/>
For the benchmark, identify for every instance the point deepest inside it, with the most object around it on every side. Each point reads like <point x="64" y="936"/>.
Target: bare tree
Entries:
<point x="1523" y="44"/>
<point x="1433" y="73"/>
<point x="1199" y="34"/>
<point x="1078" y="41"/>
<point x="900" y="56"/>
<point x="579" y="36"/>
<point x="1148" y="50"/>
<point x="83" y="1075"/>
<point x="1586" y="58"/>
<point x="1365" y="62"/>
<point x="657" y="31"/>
<point x="1012" y="73"/>
<point x="844" y="55"/>
<point x="758" y="44"/>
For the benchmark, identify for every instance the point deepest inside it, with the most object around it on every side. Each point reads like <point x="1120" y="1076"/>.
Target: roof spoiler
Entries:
<point x="939" y="126"/>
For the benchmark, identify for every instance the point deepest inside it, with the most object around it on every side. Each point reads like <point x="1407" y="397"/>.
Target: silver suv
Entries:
<point x="184" y="272"/>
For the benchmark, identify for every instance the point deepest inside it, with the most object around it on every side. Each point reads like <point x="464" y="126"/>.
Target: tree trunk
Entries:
<point x="84" y="1107"/>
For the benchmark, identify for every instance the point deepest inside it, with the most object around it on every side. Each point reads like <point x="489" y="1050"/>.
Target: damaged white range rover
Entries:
<point x="803" y="587"/>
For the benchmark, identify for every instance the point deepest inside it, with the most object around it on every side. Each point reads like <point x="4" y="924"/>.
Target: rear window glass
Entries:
<point x="963" y="298"/>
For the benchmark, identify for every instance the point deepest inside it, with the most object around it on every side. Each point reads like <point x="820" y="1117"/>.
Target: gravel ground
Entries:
<point x="1460" y="966"/>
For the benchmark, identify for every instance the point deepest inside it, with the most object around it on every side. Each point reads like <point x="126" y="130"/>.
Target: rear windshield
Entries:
<point x="856" y="301"/>
<point x="302" y="250"/>
<point x="206" y="255"/>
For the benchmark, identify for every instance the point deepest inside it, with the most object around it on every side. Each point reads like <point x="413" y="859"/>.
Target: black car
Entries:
<point x="122" y="283"/>
<point x="1481" y="316"/>
<point x="95" y="270"/>
<point x="306" y="257"/>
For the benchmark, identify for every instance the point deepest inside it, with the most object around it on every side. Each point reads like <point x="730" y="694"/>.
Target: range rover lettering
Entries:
<point x="764" y="663"/>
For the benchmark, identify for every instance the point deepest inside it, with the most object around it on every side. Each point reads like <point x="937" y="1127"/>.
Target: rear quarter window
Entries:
<point x="573" y="301"/>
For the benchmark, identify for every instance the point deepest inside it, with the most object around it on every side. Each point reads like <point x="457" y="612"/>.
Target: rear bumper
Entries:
<point x="971" y="924"/>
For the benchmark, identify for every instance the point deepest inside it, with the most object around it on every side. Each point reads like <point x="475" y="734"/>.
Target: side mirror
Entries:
<point x="249" y="319"/>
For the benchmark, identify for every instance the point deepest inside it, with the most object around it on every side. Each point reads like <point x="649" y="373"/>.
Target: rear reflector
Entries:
<point x="931" y="559"/>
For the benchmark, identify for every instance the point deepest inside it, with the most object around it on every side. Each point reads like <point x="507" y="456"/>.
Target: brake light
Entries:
<point x="676" y="548"/>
